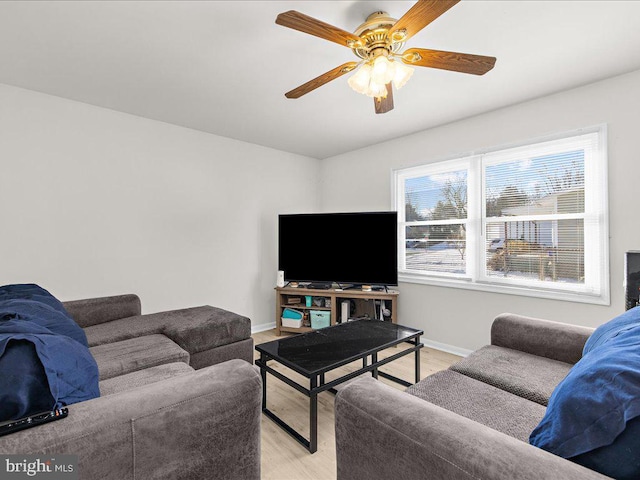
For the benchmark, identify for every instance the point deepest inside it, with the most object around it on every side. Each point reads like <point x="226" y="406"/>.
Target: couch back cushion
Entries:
<point x="594" y="412"/>
<point x="96" y="311"/>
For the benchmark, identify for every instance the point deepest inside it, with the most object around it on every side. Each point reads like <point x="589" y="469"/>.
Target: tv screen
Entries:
<point x="354" y="248"/>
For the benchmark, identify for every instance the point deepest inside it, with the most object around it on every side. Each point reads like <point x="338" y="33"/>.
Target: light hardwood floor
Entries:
<point x="285" y="459"/>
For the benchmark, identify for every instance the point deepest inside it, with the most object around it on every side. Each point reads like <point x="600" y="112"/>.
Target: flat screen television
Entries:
<point x="346" y="248"/>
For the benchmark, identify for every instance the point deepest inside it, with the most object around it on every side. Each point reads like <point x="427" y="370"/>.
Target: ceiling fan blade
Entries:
<point x="321" y="80"/>
<point x="304" y="23"/>
<point x="383" y="105"/>
<point x="457" y="62"/>
<point x="417" y="17"/>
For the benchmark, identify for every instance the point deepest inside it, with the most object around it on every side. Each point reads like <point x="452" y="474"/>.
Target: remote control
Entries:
<point x="32" y="420"/>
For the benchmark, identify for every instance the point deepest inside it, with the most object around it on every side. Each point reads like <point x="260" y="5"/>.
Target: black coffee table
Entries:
<point x="315" y="353"/>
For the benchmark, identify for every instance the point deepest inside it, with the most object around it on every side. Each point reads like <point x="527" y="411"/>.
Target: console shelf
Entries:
<point x="365" y="302"/>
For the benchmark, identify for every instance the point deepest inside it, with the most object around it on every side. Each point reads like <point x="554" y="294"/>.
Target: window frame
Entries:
<point x="440" y="167"/>
<point x="596" y="288"/>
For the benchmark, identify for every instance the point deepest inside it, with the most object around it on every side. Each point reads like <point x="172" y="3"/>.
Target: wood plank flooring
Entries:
<point x="285" y="459"/>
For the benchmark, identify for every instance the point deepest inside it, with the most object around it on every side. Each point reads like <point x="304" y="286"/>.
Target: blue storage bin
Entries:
<point x="320" y="318"/>
<point x="292" y="314"/>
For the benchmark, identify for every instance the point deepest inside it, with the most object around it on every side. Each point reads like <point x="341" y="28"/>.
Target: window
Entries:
<point x="529" y="220"/>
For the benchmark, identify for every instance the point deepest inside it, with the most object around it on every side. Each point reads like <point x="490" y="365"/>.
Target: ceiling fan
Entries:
<point x="378" y="42"/>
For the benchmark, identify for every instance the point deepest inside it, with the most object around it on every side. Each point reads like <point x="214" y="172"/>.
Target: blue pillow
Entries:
<point x="68" y="369"/>
<point x="607" y="331"/>
<point x="45" y="361"/>
<point x="620" y="459"/>
<point x="31" y="291"/>
<point x="42" y="314"/>
<point x="24" y="389"/>
<point x="590" y="410"/>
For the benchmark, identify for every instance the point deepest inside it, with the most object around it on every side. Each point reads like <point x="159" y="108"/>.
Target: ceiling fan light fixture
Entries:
<point x="402" y="75"/>
<point x="360" y="80"/>
<point x="377" y="90"/>
<point x="364" y="82"/>
<point x="378" y="43"/>
<point x="383" y="70"/>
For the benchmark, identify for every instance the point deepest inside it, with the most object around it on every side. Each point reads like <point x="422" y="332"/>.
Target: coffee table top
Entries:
<point x="322" y="350"/>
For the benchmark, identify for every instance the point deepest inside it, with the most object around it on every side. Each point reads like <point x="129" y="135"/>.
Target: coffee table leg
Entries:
<point x="374" y="359"/>
<point x="313" y="416"/>
<point x="263" y="374"/>
<point x="417" y="360"/>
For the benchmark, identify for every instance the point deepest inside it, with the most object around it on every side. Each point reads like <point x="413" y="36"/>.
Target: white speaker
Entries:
<point x="345" y="310"/>
<point x="280" y="279"/>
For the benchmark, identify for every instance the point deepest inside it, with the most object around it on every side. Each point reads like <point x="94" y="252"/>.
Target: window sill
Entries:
<point x="527" y="291"/>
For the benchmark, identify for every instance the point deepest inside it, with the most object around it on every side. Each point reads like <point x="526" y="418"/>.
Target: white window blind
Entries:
<point x="530" y="220"/>
<point x="436" y="206"/>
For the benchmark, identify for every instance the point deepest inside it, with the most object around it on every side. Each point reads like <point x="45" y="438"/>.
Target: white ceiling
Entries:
<point x="224" y="66"/>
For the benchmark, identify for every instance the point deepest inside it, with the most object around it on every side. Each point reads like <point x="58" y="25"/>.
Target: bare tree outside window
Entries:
<point x="453" y="205"/>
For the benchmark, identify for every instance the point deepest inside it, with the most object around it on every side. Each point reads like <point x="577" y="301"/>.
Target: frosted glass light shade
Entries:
<point x="383" y="70"/>
<point x="371" y="79"/>
<point x="402" y="75"/>
<point x="359" y="81"/>
<point x="377" y="90"/>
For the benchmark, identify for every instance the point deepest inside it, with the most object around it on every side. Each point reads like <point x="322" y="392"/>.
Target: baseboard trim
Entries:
<point x="262" y="327"/>
<point x="462" y="352"/>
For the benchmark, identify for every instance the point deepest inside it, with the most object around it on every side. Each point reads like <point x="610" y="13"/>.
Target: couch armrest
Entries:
<point x="92" y="311"/>
<point x="200" y="425"/>
<point x="558" y="341"/>
<point x="383" y="433"/>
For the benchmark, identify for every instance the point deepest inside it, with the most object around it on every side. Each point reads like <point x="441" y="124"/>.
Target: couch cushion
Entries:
<point x="147" y="376"/>
<point x="195" y="329"/>
<point x="135" y="354"/>
<point x="528" y="376"/>
<point x="122" y="329"/>
<point x="475" y="400"/>
<point x="92" y="311"/>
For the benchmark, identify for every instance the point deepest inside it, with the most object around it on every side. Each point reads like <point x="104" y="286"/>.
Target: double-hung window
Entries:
<point x="529" y="220"/>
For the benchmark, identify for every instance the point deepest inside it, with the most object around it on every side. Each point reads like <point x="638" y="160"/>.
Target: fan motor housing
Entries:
<point x="374" y="34"/>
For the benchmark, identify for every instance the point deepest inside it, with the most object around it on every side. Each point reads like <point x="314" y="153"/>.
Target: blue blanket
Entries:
<point x="44" y="359"/>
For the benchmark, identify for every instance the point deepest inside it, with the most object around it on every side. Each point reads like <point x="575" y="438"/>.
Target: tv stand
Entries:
<point x="365" y="303"/>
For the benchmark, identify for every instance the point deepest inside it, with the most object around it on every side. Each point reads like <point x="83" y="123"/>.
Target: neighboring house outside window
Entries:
<point x="529" y="220"/>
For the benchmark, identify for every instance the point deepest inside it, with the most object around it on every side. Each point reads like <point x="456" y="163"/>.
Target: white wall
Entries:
<point x="97" y="202"/>
<point x="361" y="180"/>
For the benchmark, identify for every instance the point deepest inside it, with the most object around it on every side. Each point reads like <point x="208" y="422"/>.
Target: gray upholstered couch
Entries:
<point x="471" y="421"/>
<point x="179" y="396"/>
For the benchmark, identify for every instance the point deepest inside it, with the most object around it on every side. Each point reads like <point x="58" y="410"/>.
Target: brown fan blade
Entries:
<point x="457" y="62"/>
<point x="417" y="17"/>
<point x="304" y="23"/>
<point x="321" y="80"/>
<point x="383" y="105"/>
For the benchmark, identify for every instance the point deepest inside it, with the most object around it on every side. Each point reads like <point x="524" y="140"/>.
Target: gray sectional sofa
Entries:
<point x="179" y="396"/>
<point x="471" y="421"/>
